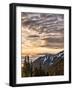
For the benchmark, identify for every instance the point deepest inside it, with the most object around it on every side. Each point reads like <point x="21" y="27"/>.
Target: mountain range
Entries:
<point x="48" y="60"/>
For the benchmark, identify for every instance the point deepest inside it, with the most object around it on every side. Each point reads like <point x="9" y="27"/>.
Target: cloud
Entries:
<point x="41" y="21"/>
<point x="42" y="30"/>
<point x="33" y="36"/>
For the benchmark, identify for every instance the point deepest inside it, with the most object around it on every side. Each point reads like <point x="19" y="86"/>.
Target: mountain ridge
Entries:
<point x="48" y="60"/>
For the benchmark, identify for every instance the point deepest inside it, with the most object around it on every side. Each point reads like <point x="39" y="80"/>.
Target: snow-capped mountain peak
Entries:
<point x="50" y="58"/>
<point x="45" y="58"/>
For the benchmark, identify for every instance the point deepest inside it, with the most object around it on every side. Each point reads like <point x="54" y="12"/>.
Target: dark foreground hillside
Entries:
<point x="47" y="65"/>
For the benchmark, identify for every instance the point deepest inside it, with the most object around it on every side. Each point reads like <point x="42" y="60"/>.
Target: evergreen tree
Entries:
<point x="36" y="72"/>
<point x="26" y="68"/>
<point x="31" y="68"/>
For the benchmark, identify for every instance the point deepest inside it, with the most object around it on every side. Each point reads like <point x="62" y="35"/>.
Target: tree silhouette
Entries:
<point x="39" y="71"/>
<point x="31" y="68"/>
<point x="26" y="68"/>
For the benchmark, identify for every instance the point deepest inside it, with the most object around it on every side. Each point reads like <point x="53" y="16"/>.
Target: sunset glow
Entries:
<point x="42" y="33"/>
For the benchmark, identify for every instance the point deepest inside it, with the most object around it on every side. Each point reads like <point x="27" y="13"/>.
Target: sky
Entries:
<point x="42" y="33"/>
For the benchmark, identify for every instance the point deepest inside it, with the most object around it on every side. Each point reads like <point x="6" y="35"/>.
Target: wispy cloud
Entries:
<point x="42" y="30"/>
